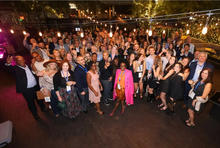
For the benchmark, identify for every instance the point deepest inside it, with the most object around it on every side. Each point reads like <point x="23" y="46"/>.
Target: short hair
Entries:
<point x="149" y="47"/>
<point x="94" y="54"/>
<point x="203" y="52"/>
<point x="186" y="45"/>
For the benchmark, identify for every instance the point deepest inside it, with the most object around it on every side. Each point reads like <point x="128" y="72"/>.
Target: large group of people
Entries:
<point x="73" y="71"/>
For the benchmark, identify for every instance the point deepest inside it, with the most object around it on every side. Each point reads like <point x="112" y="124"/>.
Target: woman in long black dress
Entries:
<point x="176" y="85"/>
<point x="65" y="90"/>
<point x="165" y="81"/>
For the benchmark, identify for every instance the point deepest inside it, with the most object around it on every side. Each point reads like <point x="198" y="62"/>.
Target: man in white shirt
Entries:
<point x="25" y="83"/>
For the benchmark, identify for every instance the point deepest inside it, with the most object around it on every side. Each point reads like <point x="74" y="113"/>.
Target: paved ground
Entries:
<point x="142" y="126"/>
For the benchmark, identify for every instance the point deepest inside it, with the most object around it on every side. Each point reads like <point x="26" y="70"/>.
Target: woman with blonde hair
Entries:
<point x="46" y="84"/>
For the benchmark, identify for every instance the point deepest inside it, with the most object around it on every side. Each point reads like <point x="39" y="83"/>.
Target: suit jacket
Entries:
<point x="129" y="86"/>
<point x="193" y="68"/>
<point x="20" y="77"/>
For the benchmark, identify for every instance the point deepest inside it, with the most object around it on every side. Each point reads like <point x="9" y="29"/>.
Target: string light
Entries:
<point x="204" y="30"/>
<point x="58" y="34"/>
<point x="12" y="31"/>
<point x="110" y="34"/>
<point x="24" y="32"/>
<point x="147" y="31"/>
<point x="150" y="33"/>
<point x="40" y="34"/>
<point x="187" y="31"/>
<point x="81" y="34"/>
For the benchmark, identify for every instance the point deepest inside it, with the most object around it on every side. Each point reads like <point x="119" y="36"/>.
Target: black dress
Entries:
<point x="152" y="81"/>
<point x="176" y="87"/>
<point x="198" y="92"/>
<point x="138" y="74"/>
<point x="165" y="84"/>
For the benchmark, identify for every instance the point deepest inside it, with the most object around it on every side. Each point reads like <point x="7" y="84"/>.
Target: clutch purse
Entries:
<point x="61" y="105"/>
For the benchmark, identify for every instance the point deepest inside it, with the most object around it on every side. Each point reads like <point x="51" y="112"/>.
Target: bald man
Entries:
<point x="26" y="84"/>
<point x="81" y="83"/>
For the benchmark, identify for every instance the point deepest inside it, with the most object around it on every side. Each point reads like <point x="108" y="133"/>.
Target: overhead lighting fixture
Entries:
<point x="204" y="30"/>
<point x="110" y="34"/>
<point x="12" y="31"/>
<point x="150" y="33"/>
<point x="81" y="34"/>
<point x="58" y="34"/>
<point x="164" y="31"/>
<point x="187" y="31"/>
<point x="72" y="6"/>
<point x="125" y="29"/>
<point x="24" y="32"/>
<point x="40" y="34"/>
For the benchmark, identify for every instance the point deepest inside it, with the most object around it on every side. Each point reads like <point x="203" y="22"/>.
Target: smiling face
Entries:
<point x="177" y="68"/>
<point x="185" y="61"/>
<point x="204" y="75"/>
<point x="172" y="60"/>
<point x="65" y="66"/>
<point x="202" y="57"/>
<point x="123" y="66"/>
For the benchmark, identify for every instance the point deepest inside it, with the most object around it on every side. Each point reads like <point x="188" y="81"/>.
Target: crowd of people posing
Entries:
<point x="71" y="72"/>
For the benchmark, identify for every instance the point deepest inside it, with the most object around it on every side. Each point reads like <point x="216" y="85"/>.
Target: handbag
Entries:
<point x="61" y="105"/>
<point x="40" y="95"/>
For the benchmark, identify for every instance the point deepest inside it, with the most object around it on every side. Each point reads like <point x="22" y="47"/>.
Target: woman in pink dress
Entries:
<point x="94" y="87"/>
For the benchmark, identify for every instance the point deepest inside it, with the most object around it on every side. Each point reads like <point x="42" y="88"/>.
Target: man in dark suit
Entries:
<point x="81" y="83"/>
<point x="26" y="83"/>
<point x="195" y="70"/>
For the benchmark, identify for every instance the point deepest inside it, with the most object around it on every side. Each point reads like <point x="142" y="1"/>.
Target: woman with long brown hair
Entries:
<point x="199" y="94"/>
<point x="154" y="78"/>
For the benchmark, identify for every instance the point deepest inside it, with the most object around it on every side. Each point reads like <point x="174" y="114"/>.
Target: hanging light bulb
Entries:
<point x="187" y="31"/>
<point x="204" y="30"/>
<point x="58" y="34"/>
<point x="117" y="28"/>
<point x="111" y="26"/>
<point x="164" y="31"/>
<point x="134" y="30"/>
<point x="125" y="29"/>
<point x="40" y="34"/>
<point x="200" y="24"/>
<point x="0" y="30"/>
<point x="81" y="34"/>
<point x="24" y="32"/>
<point x="12" y="31"/>
<point x="150" y="33"/>
<point x="110" y="34"/>
<point x="176" y="24"/>
<point x="216" y="24"/>
<point x="147" y="31"/>
<point x="105" y="25"/>
<point x="187" y="24"/>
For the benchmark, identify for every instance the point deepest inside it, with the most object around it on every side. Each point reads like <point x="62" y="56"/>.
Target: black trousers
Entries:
<point x="84" y="99"/>
<point x="30" y="95"/>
